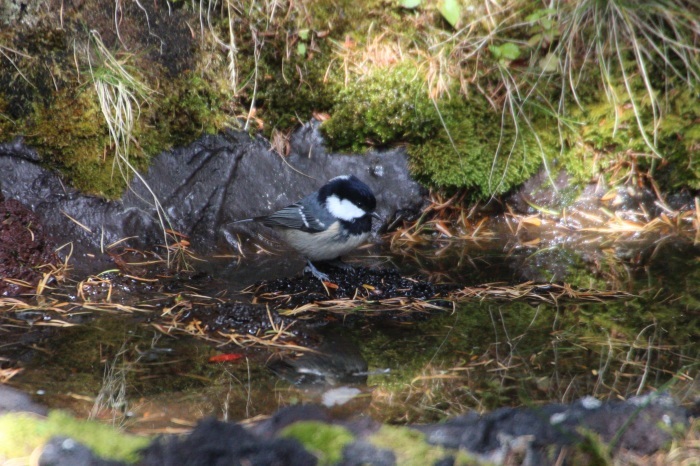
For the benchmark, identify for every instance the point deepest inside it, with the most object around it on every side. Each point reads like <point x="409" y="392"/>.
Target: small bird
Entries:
<point x="327" y="224"/>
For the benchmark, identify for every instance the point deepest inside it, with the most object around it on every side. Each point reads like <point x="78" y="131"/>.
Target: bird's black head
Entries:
<point x="347" y="198"/>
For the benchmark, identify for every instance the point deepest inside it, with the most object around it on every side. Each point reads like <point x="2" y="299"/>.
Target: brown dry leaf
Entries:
<point x="533" y="242"/>
<point x="439" y="226"/>
<point x="533" y="220"/>
<point x="321" y="116"/>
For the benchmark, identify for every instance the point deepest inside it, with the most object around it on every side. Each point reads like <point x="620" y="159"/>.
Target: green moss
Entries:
<point x="481" y="152"/>
<point x="323" y="440"/>
<point x="610" y="136"/>
<point x="299" y="70"/>
<point x="286" y="84"/>
<point x="71" y="136"/>
<point x="388" y="106"/>
<point x="7" y="124"/>
<point x="191" y="105"/>
<point x="54" y="105"/>
<point x="293" y="88"/>
<point x="412" y="449"/>
<point x="42" y="65"/>
<point x="348" y="17"/>
<point x="680" y="140"/>
<point x="22" y="433"/>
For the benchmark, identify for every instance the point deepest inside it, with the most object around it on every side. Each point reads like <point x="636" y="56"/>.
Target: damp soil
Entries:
<point x="25" y="248"/>
<point x="369" y="284"/>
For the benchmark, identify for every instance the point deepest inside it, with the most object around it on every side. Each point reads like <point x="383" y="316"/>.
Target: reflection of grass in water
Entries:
<point x="450" y="221"/>
<point x="487" y="356"/>
<point x="586" y="262"/>
<point x="112" y="397"/>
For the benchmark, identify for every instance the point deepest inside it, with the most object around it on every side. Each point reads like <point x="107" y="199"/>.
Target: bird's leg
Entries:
<point x="315" y="272"/>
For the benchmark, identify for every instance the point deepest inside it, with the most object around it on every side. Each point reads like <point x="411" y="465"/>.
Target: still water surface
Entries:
<point x="483" y="355"/>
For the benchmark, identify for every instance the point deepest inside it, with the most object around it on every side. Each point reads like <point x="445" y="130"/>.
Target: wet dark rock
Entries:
<point x="12" y="400"/>
<point x="515" y="435"/>
<point x="64" y="451"/>
<point x="362" y="453"/>
<point x="645" y="424"/>
<point x="215" y="443"/>
<point x="203" y="188"/>
<point x="24" y="247"/>
<point x="359" y="282"/>
<point x="681" y="201"/>
<point x="287" y="416"/>
<point x="529" y="436"/>
<point x="43" y="191"/>
<point x="556" y="191"/>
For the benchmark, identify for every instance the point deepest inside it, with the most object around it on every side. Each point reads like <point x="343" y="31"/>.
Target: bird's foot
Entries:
<point x="315" y="272"/>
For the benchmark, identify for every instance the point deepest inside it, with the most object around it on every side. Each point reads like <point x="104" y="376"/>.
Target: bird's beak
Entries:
<point x="376" y="215"/>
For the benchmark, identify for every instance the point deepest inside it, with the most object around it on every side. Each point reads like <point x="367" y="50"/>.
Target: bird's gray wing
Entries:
<point x="295" y="216"/>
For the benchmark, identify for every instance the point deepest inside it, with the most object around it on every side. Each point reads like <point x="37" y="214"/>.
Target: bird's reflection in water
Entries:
<point x="333" y="373"/>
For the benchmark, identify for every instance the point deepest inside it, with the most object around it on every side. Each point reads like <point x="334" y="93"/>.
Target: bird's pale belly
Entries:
<point x="326" y="245"/>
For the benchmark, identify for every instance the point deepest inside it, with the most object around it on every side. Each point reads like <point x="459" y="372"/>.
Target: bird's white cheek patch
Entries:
<point x="344" y="210"/>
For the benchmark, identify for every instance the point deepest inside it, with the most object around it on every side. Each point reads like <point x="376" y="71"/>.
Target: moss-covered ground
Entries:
<point x="483" y="98"/>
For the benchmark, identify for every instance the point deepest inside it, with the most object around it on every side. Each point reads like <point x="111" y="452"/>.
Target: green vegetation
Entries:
<point x="323" y="440"/>
<point x="191" y="107"/>
<point x="410" y="446"/>
<point x="478" y="151"/>
<point x="412" y="449"/>
<point x="483" y="97"/>
<point x="611" y="133"/>
<point x="96" y="110"/>
<point x="22" y="433"/>
<point x="387" y="106"/>
<point x="292" y="88"/>
<point x="71" y="135"/>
